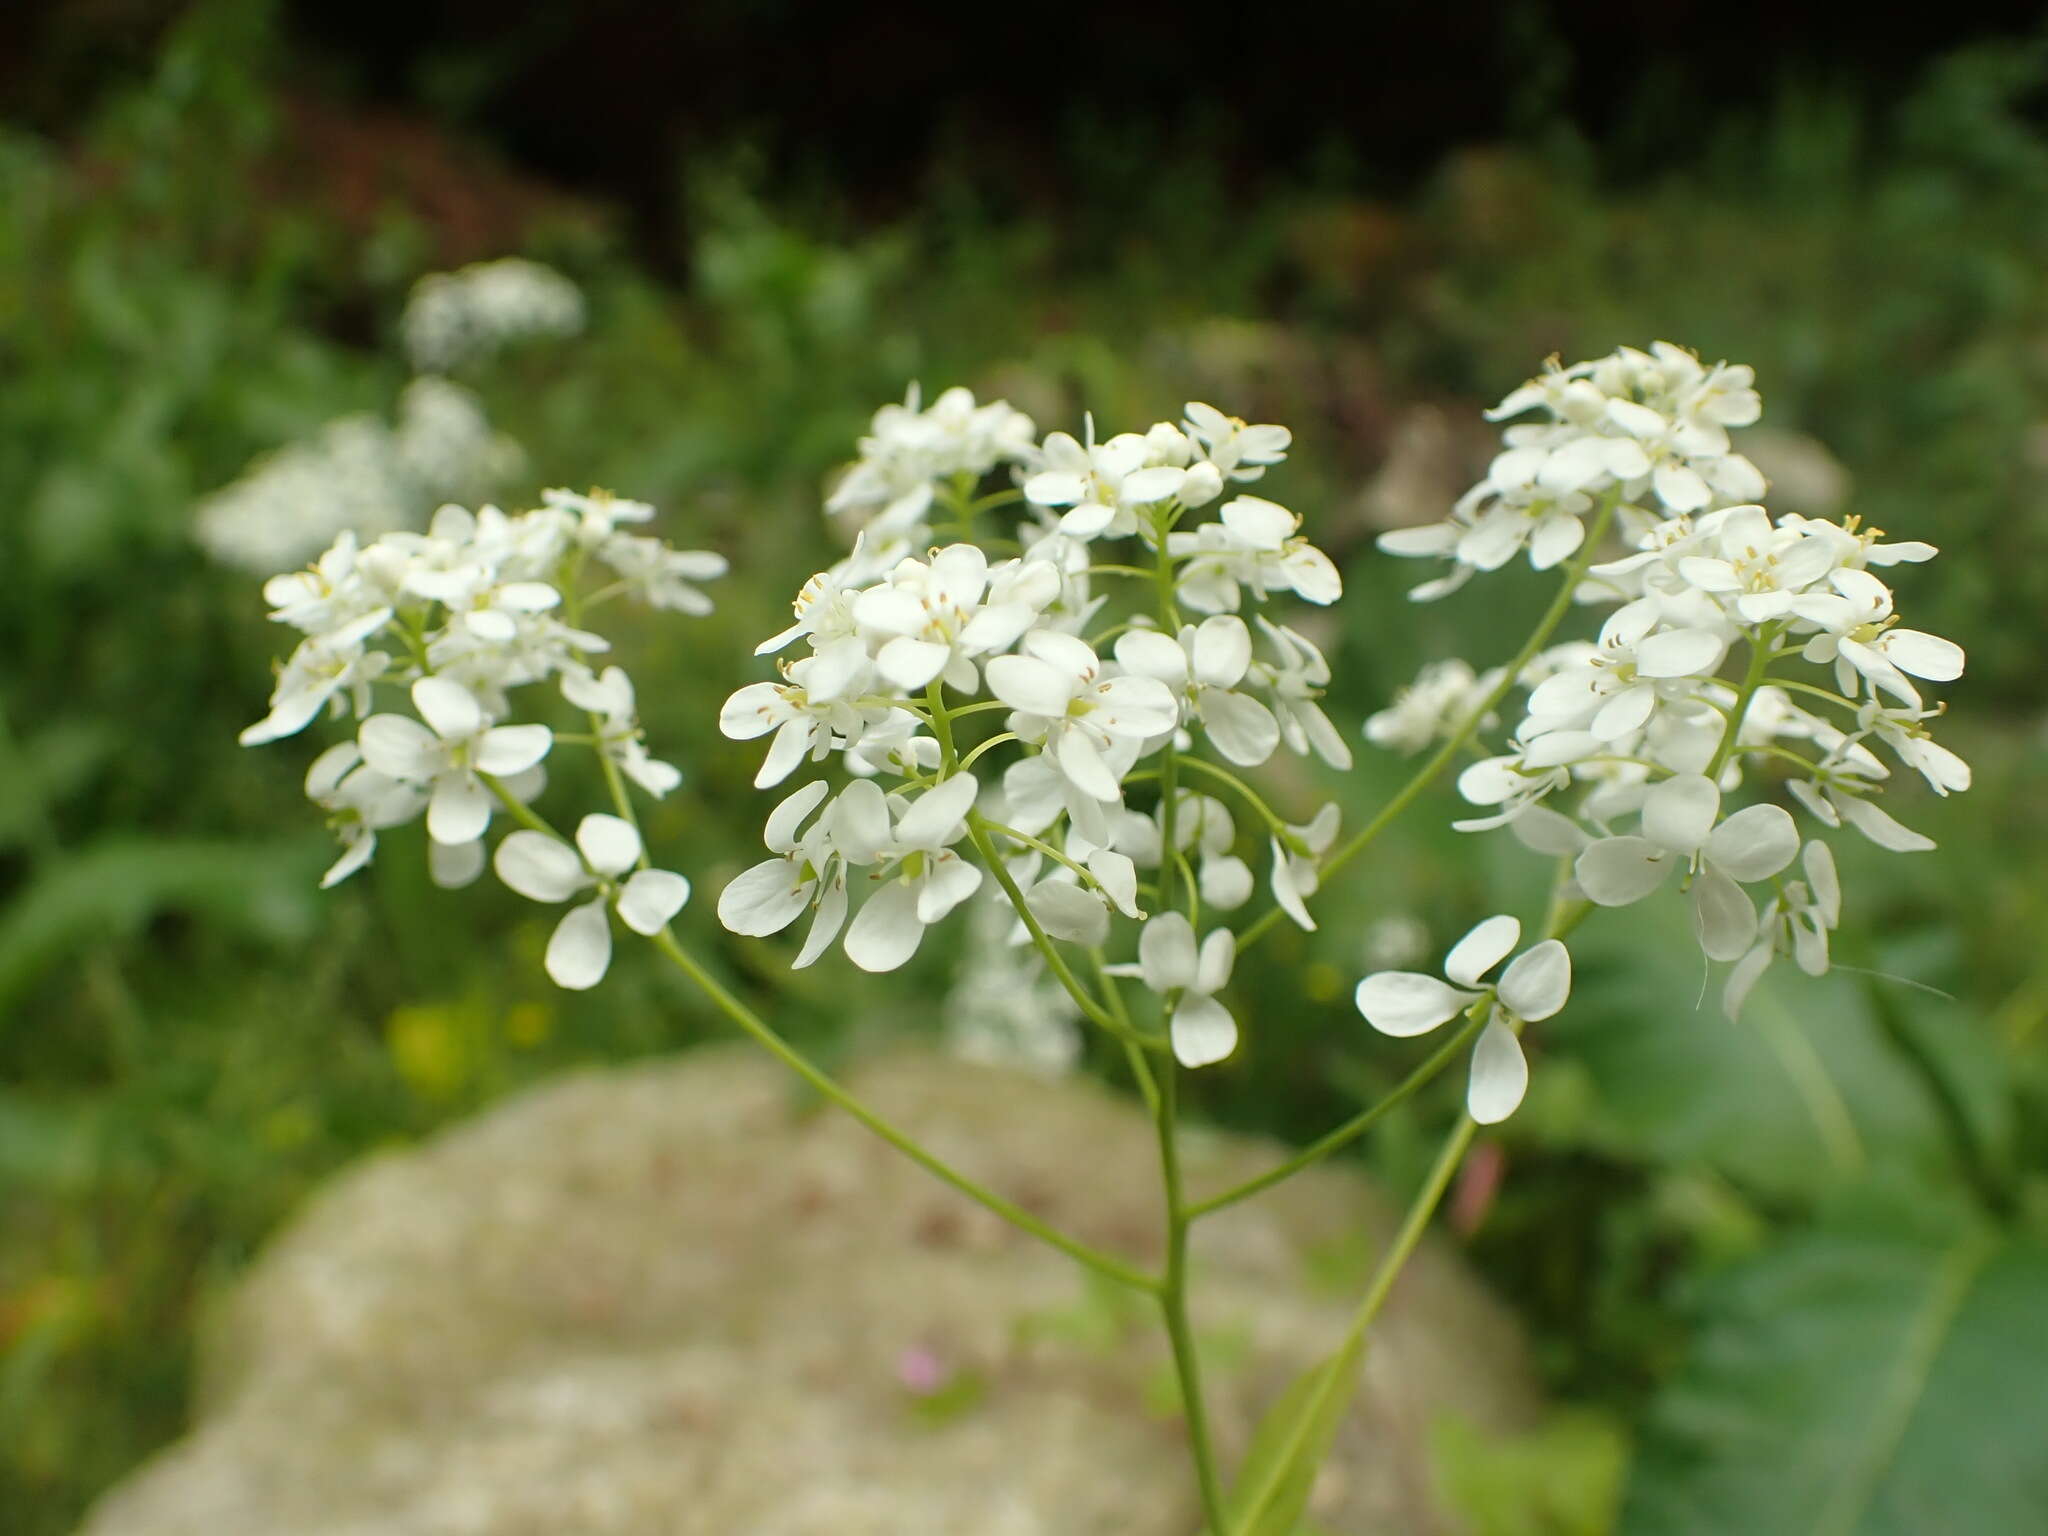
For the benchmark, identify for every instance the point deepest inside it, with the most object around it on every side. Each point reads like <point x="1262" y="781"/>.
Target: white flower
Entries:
<point x="931" y="881"/>
<point x="808" y="714"/>
<point x="447" y="753"/>
<point x="360" y="802"/>
<point x="1296" y="678"/>
<point x="591" y="519"/>
<point x="1679" y="827"/>
<point x="1443" y="694"/>
<point x="1103" y="484"/>
<point x="1004" y="1008"/>
<point x="1297" y="876"/>
<point x="933" y="620"/>
<point x="910" y="449"/>
<point x="1797" y="921"/>
<point x="1187" y="980"/>
<point x="1535" y="986"/>
<point x="323" y="670"/>
<point x="1648" y="429"/>
<point x="457" y="317"/>
<point x="1203" y="823"/>
<point x="1255" y="544"/>
<point x="1205" y="666"/>
<point x="810" y="866"/>
<point x="1757" y="569"/>
<point x="1612" y="692"/>
<point x="542" y="868"/>
<point x="1835" y="803"/>
<point x="608" y="697"/>
<point x="1238" y="451"/>
<point x="1516" y="781"/>
<point x="1090" y="726"/>
<point x="1903" y="732"/>
<point x="660" y="576"/>
<point x="1857" y="634"/>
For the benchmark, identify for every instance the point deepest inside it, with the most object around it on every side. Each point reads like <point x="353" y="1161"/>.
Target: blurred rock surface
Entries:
<point x="678" y="1298"/>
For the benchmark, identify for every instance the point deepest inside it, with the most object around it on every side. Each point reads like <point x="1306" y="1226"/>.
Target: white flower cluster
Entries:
<point x="357" y="474"/>
<point x="452" y="318"/>
<point x="1630" y="744"/>
<point x="1648" y="430"/>
<point x="458" y="619"/>
<point x="889" y="492"/>
<point x="916" y="665"/>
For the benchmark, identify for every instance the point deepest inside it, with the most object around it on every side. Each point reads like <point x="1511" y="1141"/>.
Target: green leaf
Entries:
<point x="115" y="886"/>
<point x="1279" y="1467"/>
<point x="1801" y="1095"/>
<point x="1562" y="1478"/>
<point x="1857" y="1380"/>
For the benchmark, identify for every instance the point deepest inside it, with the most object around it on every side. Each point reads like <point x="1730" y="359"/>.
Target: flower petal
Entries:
<point x="1723" y="916"/>
<point x="831" y="917"/>
<point x="1030" y="686"/>
<point x="539" y="868"/>
<point x="1403" y="1003"/>
<point x="1753" y="844"/>
<point x="1203" y="1032"/>
<point x="400" y="746"/>
<point x="1617" y="871"/>
<point x="448" y="707"/>
<point x="939" y="815"/>
<point x="651" y="898"/>
<point x="1485" y="946"/>
<point x="1166" y="953"/>
<point x="511" y="749"/>
<point x="1679" y="813"/>
<point x="1500" y="1075"/>
<point x="1539" y="981"/>
<point x="886" y="932"/>
<point x="581" y="949"/>
<point x="1065" y="911"/>
<point x="609" y="844"/>
<point x="460" y="809"/>
<point x="764" y="899"/>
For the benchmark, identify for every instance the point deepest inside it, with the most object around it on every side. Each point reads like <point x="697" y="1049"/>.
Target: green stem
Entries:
<point x="993" y="742"/>
<point x="1574" y="573"/>
<point x="1141" y="1069"/>
<point x="1251" y="799"/>
<point x="1106" y="1265"/>
<point x="1350" y="1130"/>
<point x="1345" y="1362"/>
<point x="1169" y="758"/>
<point x="1759" y="664"/>
<point x="1798" y="685"/>
<point x="519" y="810"/>
<point x="1173" y="1305"/>
<point x="977" y="831"/>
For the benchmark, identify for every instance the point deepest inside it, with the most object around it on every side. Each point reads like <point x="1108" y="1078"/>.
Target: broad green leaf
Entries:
<point x="1562" y="1478"/>
<point x="1279" y="1467"/>
<point x="1857" y="1381"/>
<point x="115" y="886"/>
<point x="1800" y="1095"/>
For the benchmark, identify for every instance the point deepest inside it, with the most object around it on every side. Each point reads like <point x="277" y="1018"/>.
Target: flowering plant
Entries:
<point x="1037" y="682"/>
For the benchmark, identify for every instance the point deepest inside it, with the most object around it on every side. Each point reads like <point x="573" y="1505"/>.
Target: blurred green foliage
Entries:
<point x="1774" y="1264"/>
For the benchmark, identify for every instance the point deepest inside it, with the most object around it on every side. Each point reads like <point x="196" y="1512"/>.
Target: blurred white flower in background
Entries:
<point x="460" y="317"/>
<point x="357" y="474"/>
<point x="1005" y="1009"/>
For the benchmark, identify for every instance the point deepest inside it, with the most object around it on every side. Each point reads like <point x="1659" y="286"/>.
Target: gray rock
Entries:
<point x="677" y="1298"/>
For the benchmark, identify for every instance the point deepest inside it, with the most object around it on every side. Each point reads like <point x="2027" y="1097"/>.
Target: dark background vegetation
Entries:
<point x="1724" y="1239"/>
